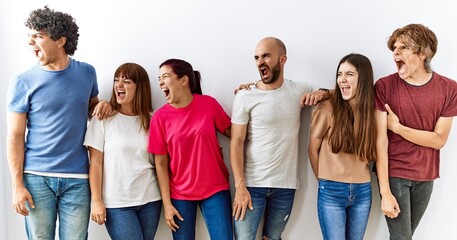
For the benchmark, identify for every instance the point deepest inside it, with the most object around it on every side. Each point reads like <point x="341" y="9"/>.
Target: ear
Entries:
<point x="283" y="59"/>
<point x="61" y="41"/>
<point x="184" y="80"/>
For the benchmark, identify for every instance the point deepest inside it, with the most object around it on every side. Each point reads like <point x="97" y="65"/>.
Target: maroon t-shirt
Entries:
<point x="417" y="107"/>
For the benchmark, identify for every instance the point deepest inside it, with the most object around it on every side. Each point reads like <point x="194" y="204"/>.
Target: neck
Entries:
<point x="420" y="78"/>
<point x="183" y="101"/>
<point x="126" y="109"/>
<point x="271" y="86"/>
<point x="59" y="64"/>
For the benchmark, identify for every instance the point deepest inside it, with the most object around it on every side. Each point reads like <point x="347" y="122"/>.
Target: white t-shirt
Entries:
<point x="273" y="119"/>
<point x="129" y="177"/>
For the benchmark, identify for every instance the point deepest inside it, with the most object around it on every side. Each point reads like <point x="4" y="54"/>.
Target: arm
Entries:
<point x="313" y="98"/>
<point x="228" y="132"/>
<point x="389" y="204"/>
<point x="100" y="109"/>
<point x="96" y="182"/>
<point x="313" y="153"/>
<point x="242" y="198"/>
<point x="161" y="163"/>
<point x="16" y="123"/>
<point x="436" y="139"/>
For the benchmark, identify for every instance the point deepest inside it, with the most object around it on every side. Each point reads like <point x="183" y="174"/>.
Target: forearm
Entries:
<point x="161" y="164"/>
<point x="237" y="163"/>
<point x="15" y="155"/>
<point x="423" y="138"/>
<point x="96" y="180"/>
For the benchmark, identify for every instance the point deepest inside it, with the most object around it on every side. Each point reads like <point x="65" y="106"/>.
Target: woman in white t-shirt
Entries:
<point x="123" y="182"/>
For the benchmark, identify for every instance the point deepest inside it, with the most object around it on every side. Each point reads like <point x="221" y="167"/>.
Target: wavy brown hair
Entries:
<point x="142" y="102"/>
<point x="354" y="129"/>
<point x="420" y="38"/>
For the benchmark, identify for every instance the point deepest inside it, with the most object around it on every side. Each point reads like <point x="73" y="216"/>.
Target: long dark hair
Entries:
<point x="182" y="68"/>
<point x="142" y="102"/>
<point x="354" y="129"/>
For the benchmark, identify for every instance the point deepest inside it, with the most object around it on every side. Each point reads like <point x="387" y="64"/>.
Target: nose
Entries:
<point x="30" y="40"/>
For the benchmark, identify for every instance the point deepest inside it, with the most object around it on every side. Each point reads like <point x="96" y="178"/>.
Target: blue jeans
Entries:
<point x="413" y="198"/>
<point x="343" y="209"/>
<point x="67" y="198"/>
<point x="216" y="210"/>
<point x="275" y="203"/>
<point x="133" y="223"/>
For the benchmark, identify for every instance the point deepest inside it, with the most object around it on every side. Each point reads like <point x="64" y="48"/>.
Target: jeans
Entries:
<point x="413" y="198"/>
<point x="275" y="203"/>
<point x="67" y="198"/>
<point x="216" y="211"/>
<point x="343" y="209"/>
<point x="133" y="223"/>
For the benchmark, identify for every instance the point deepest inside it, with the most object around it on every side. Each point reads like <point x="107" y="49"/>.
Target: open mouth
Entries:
<point x="121" y="94"/>
<point x="37" y="53"/>
<point x="166" y="91"/>
<point x="401" y="66"/>
<point x="345" y="90"/>
<point x="264" y="71"/>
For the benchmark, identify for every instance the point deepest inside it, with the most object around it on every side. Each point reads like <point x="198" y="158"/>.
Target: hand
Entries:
<point x="246" y="86"/>
<point x="313" y="98"/>
<point x="389" y="206"/>
<point x="20" y="196"/>
<point x="170" y="213"/>
<point x="392" y="120"/>
<point x="98" y="212"/>
<point x="102" y="110"/>
<point x="241" y="202"/>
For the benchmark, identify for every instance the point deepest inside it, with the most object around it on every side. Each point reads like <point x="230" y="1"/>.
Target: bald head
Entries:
<point x="275" y="43"/>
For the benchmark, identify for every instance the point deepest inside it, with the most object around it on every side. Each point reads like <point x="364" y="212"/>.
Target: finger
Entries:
<point x="237" y="212"/>
<point x="23" y="209"/>
<point x="173" y="226"/>
<point x="250" y="204"/>
<point x="243" y="212"/>
<point x="388" y="108"/>
<point x="179" y="216"/>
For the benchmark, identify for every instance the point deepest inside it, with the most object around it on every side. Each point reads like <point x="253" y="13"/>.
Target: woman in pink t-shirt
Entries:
<point x="190" y="167"/>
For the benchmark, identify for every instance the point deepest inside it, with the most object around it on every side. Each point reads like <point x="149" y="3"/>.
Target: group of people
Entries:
<point x="143" y="160"/>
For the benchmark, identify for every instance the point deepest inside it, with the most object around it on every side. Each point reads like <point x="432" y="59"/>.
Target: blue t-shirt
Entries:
<point x="56" y="104"/>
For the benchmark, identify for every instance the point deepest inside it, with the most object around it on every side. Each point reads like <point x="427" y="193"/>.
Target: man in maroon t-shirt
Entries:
<point x="416" y="105"/>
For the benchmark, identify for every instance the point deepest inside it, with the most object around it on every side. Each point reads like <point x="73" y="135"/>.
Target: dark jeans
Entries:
<point x="413" y="198"/>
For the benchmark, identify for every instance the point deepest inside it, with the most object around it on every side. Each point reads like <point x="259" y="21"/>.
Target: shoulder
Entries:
<point x="82" y="65"/>
<point x="324" y="106"/>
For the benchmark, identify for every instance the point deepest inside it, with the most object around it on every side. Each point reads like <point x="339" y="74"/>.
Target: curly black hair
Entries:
<point x="56" y="25"/>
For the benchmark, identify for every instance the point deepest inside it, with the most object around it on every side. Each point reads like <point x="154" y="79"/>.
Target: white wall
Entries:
<point x="218" y="38"/>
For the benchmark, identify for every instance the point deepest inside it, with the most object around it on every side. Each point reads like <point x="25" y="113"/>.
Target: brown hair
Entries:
<point x="354" y="129"/>
<point x="420" y="38"/>
<point x="142" y="102"/>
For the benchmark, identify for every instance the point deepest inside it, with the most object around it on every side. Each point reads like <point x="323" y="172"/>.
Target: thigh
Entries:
<point x="41" y="222"/>
<point x="188" y="211"/>
<point x="246" y="229"/>
<point x="123" y="223"/>
<point x="277" y="211"/>
<point x="400" y="227"/>
<point x="74" y="208"/>
<point x="358" y="211"/>
<point x="149" y="215"/>
<point x="332" y="202"/>
<point x="421" y="193"/>
<point x="216" y="211"/>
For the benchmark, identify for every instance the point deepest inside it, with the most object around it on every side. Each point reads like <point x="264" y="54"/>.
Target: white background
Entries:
<point x="218" y="38"/>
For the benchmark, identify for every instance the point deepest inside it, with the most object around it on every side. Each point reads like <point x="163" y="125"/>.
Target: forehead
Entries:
<point x="347" y="67"/>
<point x="34" y="32"/>
<point x="166" y="69"/>
<point x="266" y="46"/>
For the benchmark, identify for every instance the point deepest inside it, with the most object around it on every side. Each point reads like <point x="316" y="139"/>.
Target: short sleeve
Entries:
<point x="95" y="135"/>
<point x="222" y="120"/>
<point x="450" y="107"/>
<point x="240" y="114"/>
<point x="157" y="143"/>
<point x="18" y="96"/>
<point x="380" y="95"/>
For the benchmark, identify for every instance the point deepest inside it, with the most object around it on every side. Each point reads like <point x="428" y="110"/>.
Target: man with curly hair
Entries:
<point x="51" y="102"/>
